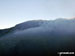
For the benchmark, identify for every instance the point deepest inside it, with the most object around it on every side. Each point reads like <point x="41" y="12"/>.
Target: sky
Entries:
<point x="13" y="12"/>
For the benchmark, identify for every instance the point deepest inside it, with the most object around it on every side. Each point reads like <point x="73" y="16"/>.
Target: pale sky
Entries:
<point x="13" y="12"/>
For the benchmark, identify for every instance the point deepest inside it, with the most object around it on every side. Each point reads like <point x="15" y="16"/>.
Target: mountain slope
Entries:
<point x="5" y="31"/>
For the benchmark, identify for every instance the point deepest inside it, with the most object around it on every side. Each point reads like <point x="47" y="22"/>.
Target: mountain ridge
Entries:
<point x="39" y="23"/>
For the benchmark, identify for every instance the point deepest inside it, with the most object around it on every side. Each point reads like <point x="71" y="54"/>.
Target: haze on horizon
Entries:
<point x="13" y="12"/>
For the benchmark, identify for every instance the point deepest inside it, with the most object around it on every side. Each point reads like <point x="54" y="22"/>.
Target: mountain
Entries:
<point x="38" y="38"/>
<point x="5" y="31"/>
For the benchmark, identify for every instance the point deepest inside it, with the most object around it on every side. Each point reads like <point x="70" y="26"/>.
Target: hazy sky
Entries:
<point x="13" y="12"/>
